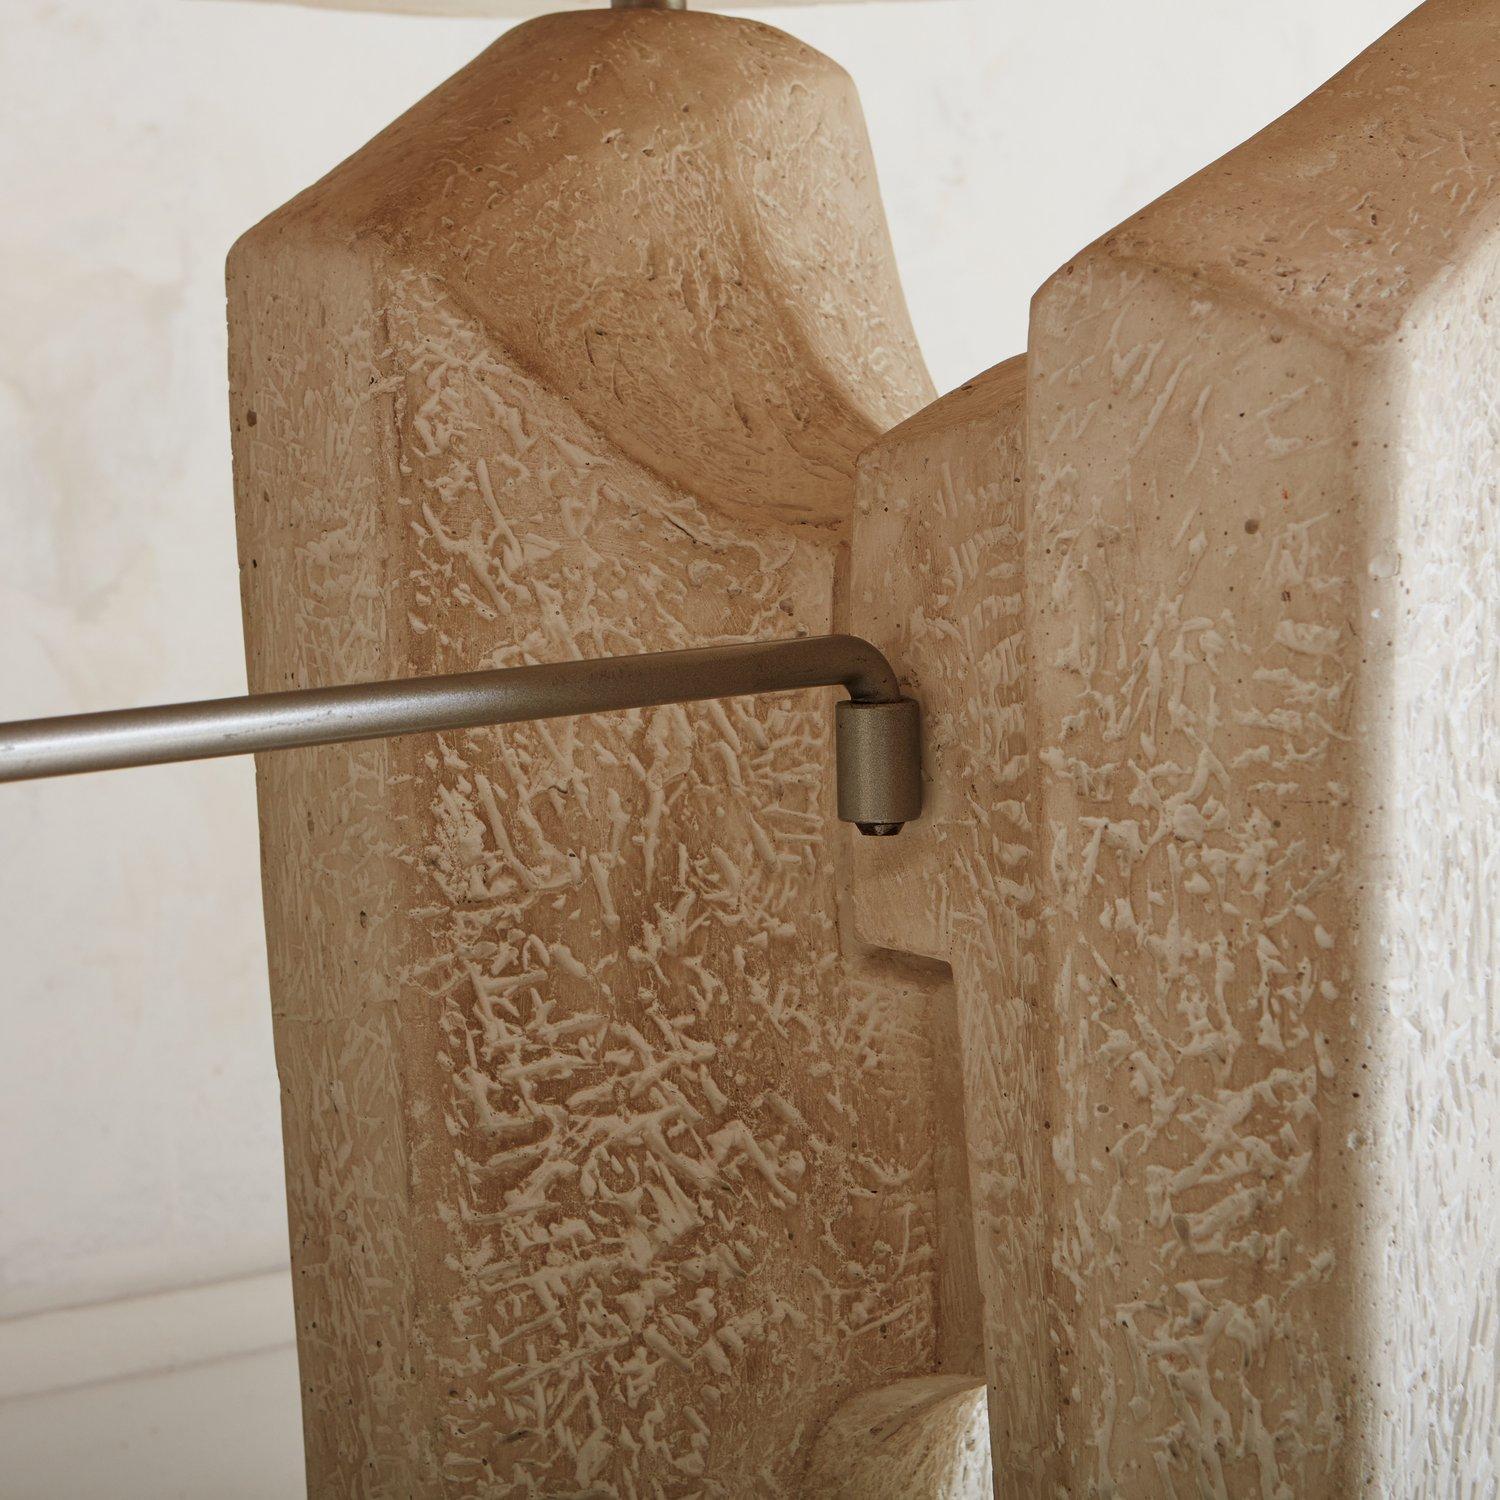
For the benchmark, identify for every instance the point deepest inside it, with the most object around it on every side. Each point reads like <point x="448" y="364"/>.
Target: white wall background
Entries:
<point x="139" y="1144"/>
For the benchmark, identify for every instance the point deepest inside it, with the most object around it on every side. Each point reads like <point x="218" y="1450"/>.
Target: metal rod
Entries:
<point x="37" y="748"/>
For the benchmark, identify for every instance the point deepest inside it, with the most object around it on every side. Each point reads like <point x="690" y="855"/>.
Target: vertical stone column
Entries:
<point x="609" y="1172"/>
<point x="1226" y="940"/>
<point x="938" y="581"/>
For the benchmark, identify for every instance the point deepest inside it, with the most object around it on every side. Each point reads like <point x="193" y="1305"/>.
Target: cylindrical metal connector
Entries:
<point x="880" y="765"/>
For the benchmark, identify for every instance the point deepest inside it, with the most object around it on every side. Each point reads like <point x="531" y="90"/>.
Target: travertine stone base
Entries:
<point x="1227" y="956"/>
<point x="609" y="1173"/>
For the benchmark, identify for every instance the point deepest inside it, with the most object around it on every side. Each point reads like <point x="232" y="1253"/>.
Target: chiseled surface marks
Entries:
<point x="937" y="581"/>
<point x="1261" y="623"/>
<point x="672" y="222"/>
<point x="1264" y="465"/>
<point x="1197" y="719"/>
<point x="1436" y="1141"/>
<point x="608" y="1174"/>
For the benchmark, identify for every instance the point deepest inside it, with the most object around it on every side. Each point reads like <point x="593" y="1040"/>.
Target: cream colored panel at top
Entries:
<point x="1215" y="842"/>
<point x="608" y="1172"/>
<point x="508" y="9"/>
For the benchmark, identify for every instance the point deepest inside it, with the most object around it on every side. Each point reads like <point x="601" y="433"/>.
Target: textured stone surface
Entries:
<point x="937" y="580"/>
<point x="1227" y="962"/>
<point x="614" y="1169"/>
<point x="927" y="1437"/>
<point x="609" y="1171"/>
<point x="115" y="451"/>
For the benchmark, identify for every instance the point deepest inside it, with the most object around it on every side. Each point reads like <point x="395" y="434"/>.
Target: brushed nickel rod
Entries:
<point x="879" y="735"/>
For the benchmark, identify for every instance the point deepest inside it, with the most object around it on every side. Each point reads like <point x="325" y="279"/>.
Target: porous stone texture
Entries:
<point x="1202" y="603"/>
<point x="612" y="1167"/>
<point x="937" y="579"/>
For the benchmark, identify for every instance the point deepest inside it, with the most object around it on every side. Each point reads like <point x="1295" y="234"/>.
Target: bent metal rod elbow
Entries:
<point x="879" y="730"/>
